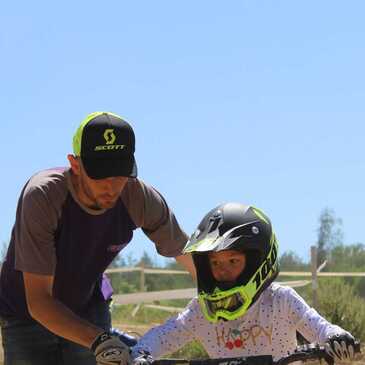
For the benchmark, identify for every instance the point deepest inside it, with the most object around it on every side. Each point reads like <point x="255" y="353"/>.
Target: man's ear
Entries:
<point x="74" y="163"/>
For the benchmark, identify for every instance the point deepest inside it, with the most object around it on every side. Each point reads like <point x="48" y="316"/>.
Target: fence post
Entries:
<point x="314" y="276"/>
<point x="142" y="285"/>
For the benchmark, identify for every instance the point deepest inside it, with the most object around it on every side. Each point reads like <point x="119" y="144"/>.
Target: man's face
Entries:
<point x="97" y="194"/>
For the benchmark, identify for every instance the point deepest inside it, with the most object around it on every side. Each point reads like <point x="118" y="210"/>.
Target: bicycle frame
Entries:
<point x="302" y="353"/>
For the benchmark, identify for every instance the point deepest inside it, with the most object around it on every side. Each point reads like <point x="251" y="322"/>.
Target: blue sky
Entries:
<point x="258" y="102"/>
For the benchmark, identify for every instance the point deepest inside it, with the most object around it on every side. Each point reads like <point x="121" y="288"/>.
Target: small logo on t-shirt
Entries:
<point x="114" y="248"/>
<point x="238" y="338"/>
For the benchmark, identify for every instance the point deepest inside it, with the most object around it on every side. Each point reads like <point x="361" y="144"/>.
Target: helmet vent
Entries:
<point x="214" y="221"/>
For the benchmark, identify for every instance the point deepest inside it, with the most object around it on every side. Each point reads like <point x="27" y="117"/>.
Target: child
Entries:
<point x="239" y="311"/>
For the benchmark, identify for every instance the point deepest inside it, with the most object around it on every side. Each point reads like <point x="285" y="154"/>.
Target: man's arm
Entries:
<point x="149" y="210"/>
<point x="187" y="261"/>
<point x="55" y="316"/>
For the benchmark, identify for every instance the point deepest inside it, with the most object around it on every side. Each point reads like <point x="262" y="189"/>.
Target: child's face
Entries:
<point x="227" y="265"/>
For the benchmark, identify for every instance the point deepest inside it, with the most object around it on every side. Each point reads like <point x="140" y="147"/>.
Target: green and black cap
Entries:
<point x="105" y="142"/>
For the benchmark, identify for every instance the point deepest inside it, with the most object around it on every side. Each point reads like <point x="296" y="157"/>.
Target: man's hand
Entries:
<point x="110" y="350"/>
<point x="341" y="346"/>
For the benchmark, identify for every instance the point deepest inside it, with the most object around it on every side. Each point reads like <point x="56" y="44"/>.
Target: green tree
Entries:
<point x="330" y="234"/>
<point x="172" y="264"/>
<point x="350" y="258"/>
<point x="289" y="261"/>
<point x="146" y="261"/>
<point x="124" y="261"/>
<point x="127" y="282"/>
<point x="119" y="261"/>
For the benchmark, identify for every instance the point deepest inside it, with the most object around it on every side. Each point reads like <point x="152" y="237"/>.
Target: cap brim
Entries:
<point x="103" y="168"/>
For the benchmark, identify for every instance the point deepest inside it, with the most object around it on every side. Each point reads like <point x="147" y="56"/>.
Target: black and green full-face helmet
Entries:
<point x="233" y="226"/>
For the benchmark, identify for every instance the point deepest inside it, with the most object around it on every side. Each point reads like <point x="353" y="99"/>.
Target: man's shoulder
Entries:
<point x="54" y="175"/>
<point x="48" y="182"/>
<point x="135" y="183"/>
<point x="137" y="190"/>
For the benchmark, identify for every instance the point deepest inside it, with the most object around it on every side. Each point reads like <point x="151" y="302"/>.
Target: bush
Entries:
<point x="339" y="304"/>
<point x="145" y="315"/>
<point x="190" y="351"/>
<point x="130" y="282"/>
<point x="127" y="282"/>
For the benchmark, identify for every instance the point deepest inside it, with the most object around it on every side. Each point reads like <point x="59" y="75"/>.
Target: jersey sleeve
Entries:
<point x="170" y="336"/>
<point x="307" y="320"/>
<point x="149" y="211"/>
<point x="35" y="226"/>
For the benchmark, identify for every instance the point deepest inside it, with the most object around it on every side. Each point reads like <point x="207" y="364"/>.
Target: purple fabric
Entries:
<point x="106" y="287"/>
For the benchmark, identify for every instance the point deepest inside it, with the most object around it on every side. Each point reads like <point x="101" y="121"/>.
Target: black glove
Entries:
<point x="341" y="346"/>
<point x="143" y="359"/>
<point x="110" y="350"/>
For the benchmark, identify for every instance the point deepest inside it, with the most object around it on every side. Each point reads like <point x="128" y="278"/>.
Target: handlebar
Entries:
<point x="250" y="360"/>
<point x="302" y="353"/>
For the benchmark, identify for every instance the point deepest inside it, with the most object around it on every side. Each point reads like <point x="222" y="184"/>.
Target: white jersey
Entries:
<point x="268" y="328"/>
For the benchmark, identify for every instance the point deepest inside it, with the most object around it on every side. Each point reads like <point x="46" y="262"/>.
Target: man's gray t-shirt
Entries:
<point x="54" y="234"/>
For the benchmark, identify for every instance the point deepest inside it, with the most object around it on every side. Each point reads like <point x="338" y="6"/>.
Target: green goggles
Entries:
<point x="229" y="304"/>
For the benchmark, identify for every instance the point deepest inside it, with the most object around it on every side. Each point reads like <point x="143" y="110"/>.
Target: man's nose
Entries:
<point x="113" y="184"/>
<point x="108" y="185"/>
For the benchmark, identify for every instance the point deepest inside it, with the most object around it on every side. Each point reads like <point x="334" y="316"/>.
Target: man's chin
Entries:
<point x="106" y="204"/>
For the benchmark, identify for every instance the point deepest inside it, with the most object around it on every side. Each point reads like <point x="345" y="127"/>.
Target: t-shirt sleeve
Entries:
<point x="149" y="210"/>
<point x="34" y="230"/>
<point x="170" y="336"/>
<point x="308" y="321"/>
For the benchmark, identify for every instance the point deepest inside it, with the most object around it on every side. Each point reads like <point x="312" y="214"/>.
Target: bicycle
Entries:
<point x="302" y="353"/>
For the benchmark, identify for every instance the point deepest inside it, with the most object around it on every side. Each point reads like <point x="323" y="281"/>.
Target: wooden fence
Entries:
<point x="148" y="297"/>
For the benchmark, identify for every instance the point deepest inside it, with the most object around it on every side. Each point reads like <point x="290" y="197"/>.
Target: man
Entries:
<point x="70" y="224"/>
